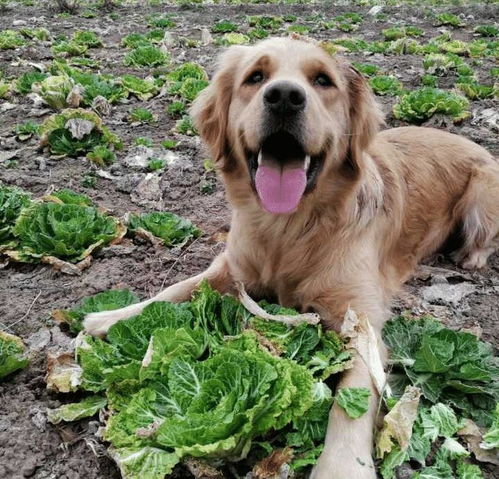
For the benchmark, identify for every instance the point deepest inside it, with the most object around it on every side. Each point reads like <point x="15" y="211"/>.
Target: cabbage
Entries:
<point x="54" y="90"/>
<point x="143" y="89"/>
<point x="76" y="132"/>
<point x="12" y="200"/>
<point x="12" y="354"/>
<point x="420" y="105"/>
<point x="168" y="227"/>
<point x="65" y="231"/>
<point x="205" y="379"/>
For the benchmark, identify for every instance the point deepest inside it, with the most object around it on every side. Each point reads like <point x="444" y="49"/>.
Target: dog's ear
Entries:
<point x="210" y="110"/>
<point x="365" y="117"/>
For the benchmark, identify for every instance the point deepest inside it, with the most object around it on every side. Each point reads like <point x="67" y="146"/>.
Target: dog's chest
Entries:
<point x="276" y="266"/>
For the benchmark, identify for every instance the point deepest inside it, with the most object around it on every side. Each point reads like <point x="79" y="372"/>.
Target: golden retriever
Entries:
<point x="327" y="212"/>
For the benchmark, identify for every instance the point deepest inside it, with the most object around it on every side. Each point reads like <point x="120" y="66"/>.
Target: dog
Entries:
<point x="329" y="213"/>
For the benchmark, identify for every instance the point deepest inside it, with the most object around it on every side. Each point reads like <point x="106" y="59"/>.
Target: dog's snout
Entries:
<point x="285" y="97"/>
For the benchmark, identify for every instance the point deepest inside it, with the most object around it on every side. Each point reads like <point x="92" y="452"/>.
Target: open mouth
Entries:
<point x="282" y="172"/>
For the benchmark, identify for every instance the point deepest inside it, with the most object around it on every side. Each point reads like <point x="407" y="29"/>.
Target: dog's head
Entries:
<point x="288" y="117"/>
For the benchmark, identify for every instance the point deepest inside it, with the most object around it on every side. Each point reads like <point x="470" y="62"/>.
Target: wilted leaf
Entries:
<point x="75" y="411"/>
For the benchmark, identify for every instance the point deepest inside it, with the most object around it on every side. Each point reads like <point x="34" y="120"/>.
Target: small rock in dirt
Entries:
<point x="139" y="156"/>
<point x="101" y="106"/>
<point x="39" y="340"/>
<point x="37" y="100"/>
<point x="121" y="249"/>
<point x="29" y="467"/>
<point x="128" y="183"/>
<point x="93" y="427"/>
<point x="375" y="10"/>
<point x="7" y="106"/>
<point x="38" y="418"/>
<point x="105" y="174"/>
<point x="451" y="294"/>
<point x="5" y="424"/>
<point x="7" y="155"/>
<point x="19" y="23"/>
<point x="426" y="272"/>
<point x="206" y="38"/>
<point x="405" y="472"/>
<point x="42" y="163"/>
<point x="148" y="192"/>
<point x="439" y="279"/>
<point x="60" y="341"/>
<point x="488" y="118"/>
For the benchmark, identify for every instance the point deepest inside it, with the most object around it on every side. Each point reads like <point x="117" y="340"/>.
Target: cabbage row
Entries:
<point x="67" y="226"/>
<point x="205" y="379"/>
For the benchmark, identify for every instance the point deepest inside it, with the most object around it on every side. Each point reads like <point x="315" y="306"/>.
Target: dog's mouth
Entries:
<point x="282" y="172"/>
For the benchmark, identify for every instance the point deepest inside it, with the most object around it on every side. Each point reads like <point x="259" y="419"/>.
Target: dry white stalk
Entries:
<point x="362" y="338"/>
<point x="253" y="307"/>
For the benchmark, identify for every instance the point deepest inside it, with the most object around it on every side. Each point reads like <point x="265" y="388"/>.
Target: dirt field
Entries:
<point x="29" y="447"/>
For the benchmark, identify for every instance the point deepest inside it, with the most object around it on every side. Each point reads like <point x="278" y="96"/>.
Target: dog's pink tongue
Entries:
<point x="280" y="190"/>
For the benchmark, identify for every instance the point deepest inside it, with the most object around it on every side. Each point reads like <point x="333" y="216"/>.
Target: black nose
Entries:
<point x="284" y="97"/>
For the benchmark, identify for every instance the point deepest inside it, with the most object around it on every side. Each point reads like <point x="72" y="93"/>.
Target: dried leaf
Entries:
<point x="473" y="436"/>
<point x="255" y="309"/>
<point x="274" y="466"/>
<point x="397" y="424"/>
<point x="363" y="339"/>
<point x="75" y="97"/>
<point x="63" y="373"/>
<point x="79" y="127"/>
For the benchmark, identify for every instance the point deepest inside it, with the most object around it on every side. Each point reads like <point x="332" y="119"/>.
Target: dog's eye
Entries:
<point x="323" y="80"/>
<point x="255" y="77"/>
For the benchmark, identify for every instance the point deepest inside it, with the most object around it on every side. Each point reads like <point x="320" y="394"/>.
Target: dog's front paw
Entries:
<point x="344" y="465"/>
<point x="97" y="324"/>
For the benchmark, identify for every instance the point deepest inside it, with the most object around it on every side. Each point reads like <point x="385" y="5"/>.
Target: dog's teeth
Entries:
<point x="260" y="157"/>
<point x="307" y="162"/>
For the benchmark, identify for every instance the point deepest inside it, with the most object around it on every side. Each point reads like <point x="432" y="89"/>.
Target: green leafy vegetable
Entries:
<point x="66" y="231"/>
<point x="187" y="81"/>
<point x="55" y="89"/>
<point x="146" y="56"/>
<point x="448" y="19"/>
<point x="69" y="197"/>
<point x="10" y="39"/>
<point x="202" y="379"/>
<point x="141" y="115"/>
<point x="450" y="367"/>
<point x="12" y="354"/>
<point x="491" y="438"/>
<point x="142" y="89"/>
<point x="25" y="82"/>
<point x="386" y="85"/>
<point x="419" y="105"/>
<point x="75" y="411"/>
<point x="170" y="228"/>
<point x="26" y="130"/>
<point x="224" y="26"/>
<point x="101" y="155"/>
<point x="74" y="132"/>
<point x="354" y="401"/>
<point x="12" y="201"/>
<point x="87" y="38"/>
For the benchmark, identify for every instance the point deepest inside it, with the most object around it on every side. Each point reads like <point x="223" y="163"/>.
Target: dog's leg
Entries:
<point x="218" y="275"/>
<point x="348" y="446"/>
<point x="478" y="212"/>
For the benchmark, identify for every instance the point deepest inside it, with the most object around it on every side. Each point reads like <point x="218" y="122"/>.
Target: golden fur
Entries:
<point x="383" y="202"/>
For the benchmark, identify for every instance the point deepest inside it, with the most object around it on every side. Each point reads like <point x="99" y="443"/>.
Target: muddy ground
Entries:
<point x="29" y="447"/>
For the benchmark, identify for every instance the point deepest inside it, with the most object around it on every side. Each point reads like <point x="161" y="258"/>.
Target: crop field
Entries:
<point x="104" y="184"/>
